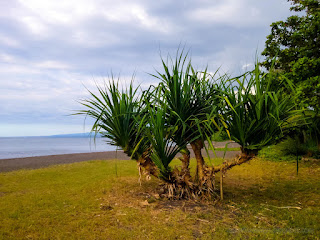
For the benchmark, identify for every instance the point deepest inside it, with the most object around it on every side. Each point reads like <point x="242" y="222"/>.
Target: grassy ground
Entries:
<point x="228" y="149"/>
<point x="290" y="150"/>
<point x="103" y="200"/>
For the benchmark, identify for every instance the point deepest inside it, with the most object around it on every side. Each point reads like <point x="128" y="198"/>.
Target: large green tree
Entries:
<point x="294" y="48"/>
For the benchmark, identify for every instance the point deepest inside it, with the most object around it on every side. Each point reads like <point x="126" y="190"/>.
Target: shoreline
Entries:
<point x="12" y="164"/>
<point x="58" y="154"/>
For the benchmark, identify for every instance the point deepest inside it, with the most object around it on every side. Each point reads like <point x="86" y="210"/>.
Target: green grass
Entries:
<point x="228" y="149"/>
<point x="274" y="153"/>
<point x="289" y="150"/>
<point x="103" y="200"/>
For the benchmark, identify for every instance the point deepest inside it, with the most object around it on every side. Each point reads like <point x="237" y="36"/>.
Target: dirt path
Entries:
<point x="7" y="165"/>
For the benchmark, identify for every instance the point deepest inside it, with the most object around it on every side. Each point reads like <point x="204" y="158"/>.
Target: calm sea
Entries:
<point x="17" y="147"/>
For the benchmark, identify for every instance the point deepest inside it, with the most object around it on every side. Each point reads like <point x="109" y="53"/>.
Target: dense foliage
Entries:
<point x="295" y="44"/>
<point x="256" y="114"/>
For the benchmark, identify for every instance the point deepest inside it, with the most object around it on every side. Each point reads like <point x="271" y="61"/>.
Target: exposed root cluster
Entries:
<point x="181" y="186"/>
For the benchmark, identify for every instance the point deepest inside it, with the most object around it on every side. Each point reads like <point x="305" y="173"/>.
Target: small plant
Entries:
<point x="292" y="146"/>
<point x="220" y="136"/>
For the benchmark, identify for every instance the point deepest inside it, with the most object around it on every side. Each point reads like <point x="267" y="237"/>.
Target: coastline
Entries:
<point x="12" y="164"/>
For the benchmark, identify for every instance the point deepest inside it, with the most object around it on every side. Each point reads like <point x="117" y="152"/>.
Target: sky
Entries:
<point x="51" y="51"/>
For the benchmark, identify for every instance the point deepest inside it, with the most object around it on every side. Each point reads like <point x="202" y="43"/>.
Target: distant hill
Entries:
<point x="75" y="135"/>
<point x="72" y="135"/>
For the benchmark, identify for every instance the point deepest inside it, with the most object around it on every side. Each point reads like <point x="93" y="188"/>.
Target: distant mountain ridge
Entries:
<point x="70" y="135"/>
<point x="75" y="135"/>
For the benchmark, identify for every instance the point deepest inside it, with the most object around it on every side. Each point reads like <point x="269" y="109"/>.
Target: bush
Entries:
<point x="220" y="136"/>
<point x="292" y="146"/>
<point x="273" y="153"/>
<point x="289" y="149"/>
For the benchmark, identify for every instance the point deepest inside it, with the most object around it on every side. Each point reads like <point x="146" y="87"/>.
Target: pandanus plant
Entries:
<point x="119" y="117"/>
<point x="188" y="98"/>
<point x="183" y="109"/>
<point x="254" y="114"/>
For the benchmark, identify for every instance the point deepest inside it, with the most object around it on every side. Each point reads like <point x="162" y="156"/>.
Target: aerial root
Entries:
<point x="147" y="167"/>
<point x="182" y="187"/>
<point x="243" y="158"/>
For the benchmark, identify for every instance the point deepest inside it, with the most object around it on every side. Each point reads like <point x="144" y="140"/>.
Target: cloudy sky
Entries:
<point x="50" y="50"/>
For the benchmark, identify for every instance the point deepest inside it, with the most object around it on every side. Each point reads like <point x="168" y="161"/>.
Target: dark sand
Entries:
<point x="7" y="165"/>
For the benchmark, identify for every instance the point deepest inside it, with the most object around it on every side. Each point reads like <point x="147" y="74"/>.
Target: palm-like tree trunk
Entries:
<point x="185" y="170"/>
<point x="149" y="167"/>
<point x="185" y="159"/>
<point x="197" y="145"/>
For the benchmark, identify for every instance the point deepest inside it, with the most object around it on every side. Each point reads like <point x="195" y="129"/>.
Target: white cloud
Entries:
<point x="7" y="58"/>
<point x="35" y="25"/>
<point x="41" y="16"/>
<point x="14" y="69"/>
<point x="151" y="23"/>
<point x="230" y="12"/>
<point x="84" y="38"/>
<point x="60" y="12"/>
<point x="52" y="65"/>
<point x="9" y="41"/>
<point x="246" y="66"/>
<point x="137" y="15"/>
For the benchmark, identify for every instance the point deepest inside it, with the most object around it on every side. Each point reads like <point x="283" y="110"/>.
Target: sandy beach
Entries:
<point x="12" y="164"/>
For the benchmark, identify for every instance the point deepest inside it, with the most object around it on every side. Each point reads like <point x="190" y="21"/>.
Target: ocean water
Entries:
<point x="17" y="147"/>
